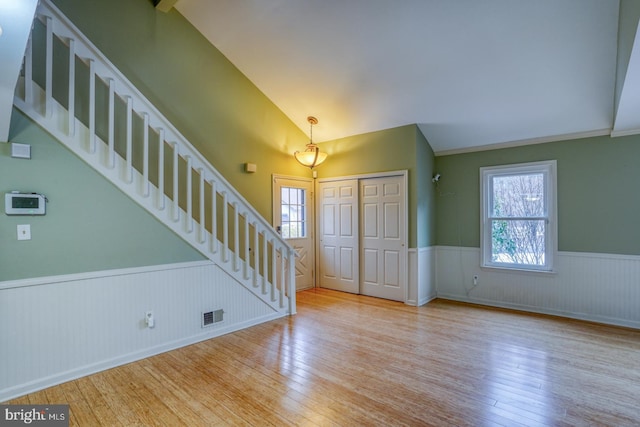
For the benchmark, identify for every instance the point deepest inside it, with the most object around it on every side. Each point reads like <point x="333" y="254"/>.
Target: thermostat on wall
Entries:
<point x="16" y="203"/>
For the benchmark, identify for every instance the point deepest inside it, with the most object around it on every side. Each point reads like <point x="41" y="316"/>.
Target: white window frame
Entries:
<point x="548" y="169"/>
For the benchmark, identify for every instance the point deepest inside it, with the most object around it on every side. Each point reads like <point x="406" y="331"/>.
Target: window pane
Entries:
<point x="518" y="242"/>
<point x="293" y="212"/>
<point x="518" y="196"/>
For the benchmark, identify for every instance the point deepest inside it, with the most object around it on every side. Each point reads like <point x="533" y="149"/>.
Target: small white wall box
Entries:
<point x="20" y="151"/>
<point x="16" y="203"/>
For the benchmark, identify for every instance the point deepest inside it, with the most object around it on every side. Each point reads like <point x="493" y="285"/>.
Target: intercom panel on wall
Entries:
<point x="16" y="203"/>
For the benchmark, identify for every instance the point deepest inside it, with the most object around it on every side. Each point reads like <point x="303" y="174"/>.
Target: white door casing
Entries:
<point x="293" y="216"/>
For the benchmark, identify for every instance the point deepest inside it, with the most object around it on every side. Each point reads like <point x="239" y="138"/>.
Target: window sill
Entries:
<point x="498" y="268"/>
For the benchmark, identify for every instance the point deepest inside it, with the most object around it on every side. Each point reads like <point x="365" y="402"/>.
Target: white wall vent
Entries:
<point x="212" y="317"/>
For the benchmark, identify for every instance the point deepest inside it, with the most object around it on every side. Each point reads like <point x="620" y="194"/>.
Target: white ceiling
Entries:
<point x="470" y="73"/>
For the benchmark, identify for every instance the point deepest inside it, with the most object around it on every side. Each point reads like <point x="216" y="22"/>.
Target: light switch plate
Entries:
<point x="24" y="232"/>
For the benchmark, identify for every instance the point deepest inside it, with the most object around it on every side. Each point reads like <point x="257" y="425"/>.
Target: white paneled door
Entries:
<point x="362" y="247"/>
<point x="293" y="218"/>
<point x="338" y="235"/>
<point x="382" y="237"/>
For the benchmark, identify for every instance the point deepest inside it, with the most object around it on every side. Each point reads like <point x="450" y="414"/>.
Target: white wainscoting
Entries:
<point x="56" y="329"/>
<point x="597" y="287"/>
<point x="422" y="276"/>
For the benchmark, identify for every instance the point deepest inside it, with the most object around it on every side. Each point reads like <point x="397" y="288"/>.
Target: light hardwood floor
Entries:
<point x="350" y="360"/>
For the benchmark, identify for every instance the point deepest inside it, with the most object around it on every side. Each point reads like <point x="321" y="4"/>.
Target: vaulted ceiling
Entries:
<point x="469" y="73"/>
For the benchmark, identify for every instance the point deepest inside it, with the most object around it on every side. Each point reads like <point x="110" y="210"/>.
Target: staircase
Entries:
<point x="109" y="124"/>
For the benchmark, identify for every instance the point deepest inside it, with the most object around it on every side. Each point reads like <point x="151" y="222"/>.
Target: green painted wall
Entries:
<point x="205" y="96"/>
<point x="425" y="193"/>
<point x="90" y="225"/>
<point x="598" y="193"/>
<point x="389" y="150"/>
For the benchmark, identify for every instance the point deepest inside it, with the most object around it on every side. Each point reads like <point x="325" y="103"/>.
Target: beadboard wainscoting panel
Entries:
<point x="603" y="288"/>
<point x="422" y="276"/>
<point x="53" y="331"/>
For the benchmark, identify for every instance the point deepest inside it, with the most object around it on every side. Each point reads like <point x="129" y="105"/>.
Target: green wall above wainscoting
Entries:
<point x="598" y="193"/>
<point x="90" y="225"/>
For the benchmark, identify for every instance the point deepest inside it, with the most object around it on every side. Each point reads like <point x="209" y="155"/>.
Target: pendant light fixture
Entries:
<point x="311" y="156"/>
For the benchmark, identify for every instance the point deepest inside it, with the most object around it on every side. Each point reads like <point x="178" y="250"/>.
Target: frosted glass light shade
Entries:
<point x="311" y="157"/>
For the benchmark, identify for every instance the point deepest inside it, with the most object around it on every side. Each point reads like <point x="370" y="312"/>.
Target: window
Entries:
<point x="519" y="216"/>
<point x="294" y="212"/>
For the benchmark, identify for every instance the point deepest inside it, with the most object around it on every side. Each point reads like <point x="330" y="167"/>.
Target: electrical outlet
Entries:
<point x="475" y="280"/>
<point x="149" y="319"/>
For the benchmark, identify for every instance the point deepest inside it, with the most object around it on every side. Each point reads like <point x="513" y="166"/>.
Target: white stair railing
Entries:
<point x="216" y="220"/>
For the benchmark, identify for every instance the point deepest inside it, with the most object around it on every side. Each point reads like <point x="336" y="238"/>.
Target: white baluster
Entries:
<point x="203" y="235"/>
<point x="236" y="237"/>
<point x="48" y="101"/>
<point x="246" y="245"/>
<point x="161" y="169"/>
<point x="111" y="161"/>
<point x="225" y="228"/>
<point x="92" y="106"/>
<point x="274" y="276"/>
<point x="214" y="218"/>
<point x="256" y="254"/>
<point x="265" y="256"/>
<point x="176" y="191"/>
<point x="283" y="279"/>
<point x="189" y="196"/>
<point x="291" y="281"/>
<point x="72" y="88"/>
<point x="129" y="148"/>
<point x="145" y="155"/>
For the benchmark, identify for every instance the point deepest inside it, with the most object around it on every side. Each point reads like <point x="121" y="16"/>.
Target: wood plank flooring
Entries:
<point x="349" y="360"/>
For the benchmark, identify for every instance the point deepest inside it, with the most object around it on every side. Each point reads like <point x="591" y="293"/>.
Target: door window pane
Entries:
<point x="294" y="215"/>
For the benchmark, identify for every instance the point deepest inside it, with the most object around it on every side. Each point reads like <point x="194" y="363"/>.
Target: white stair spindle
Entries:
<point x="225" y="228"/>
<point x="175" y="189"/>
<point x="265" y="256"/>
<point x="214" y="218"/>
<point x="145" y="155"/>
<point x="48" y="102"/>
<point x="129" y="148"/>
<point x="189" y="196"/>
<point x="283" y="280"/>
<point x="291" y="259"/>
<point x="256" y="254"/>
<point x="246" y="246"/>
<point x="111" y="159"/>
<point x="203" y="234"/>
<point x="236" y="237"/>
<point x="161" y="197"/>
<point x="92" y="106"/>
<point x="72" y="88"/>
<point x="274" y="275"/>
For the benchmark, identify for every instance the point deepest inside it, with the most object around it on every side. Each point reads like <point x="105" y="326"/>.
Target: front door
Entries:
<point x="293" y="218"/>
